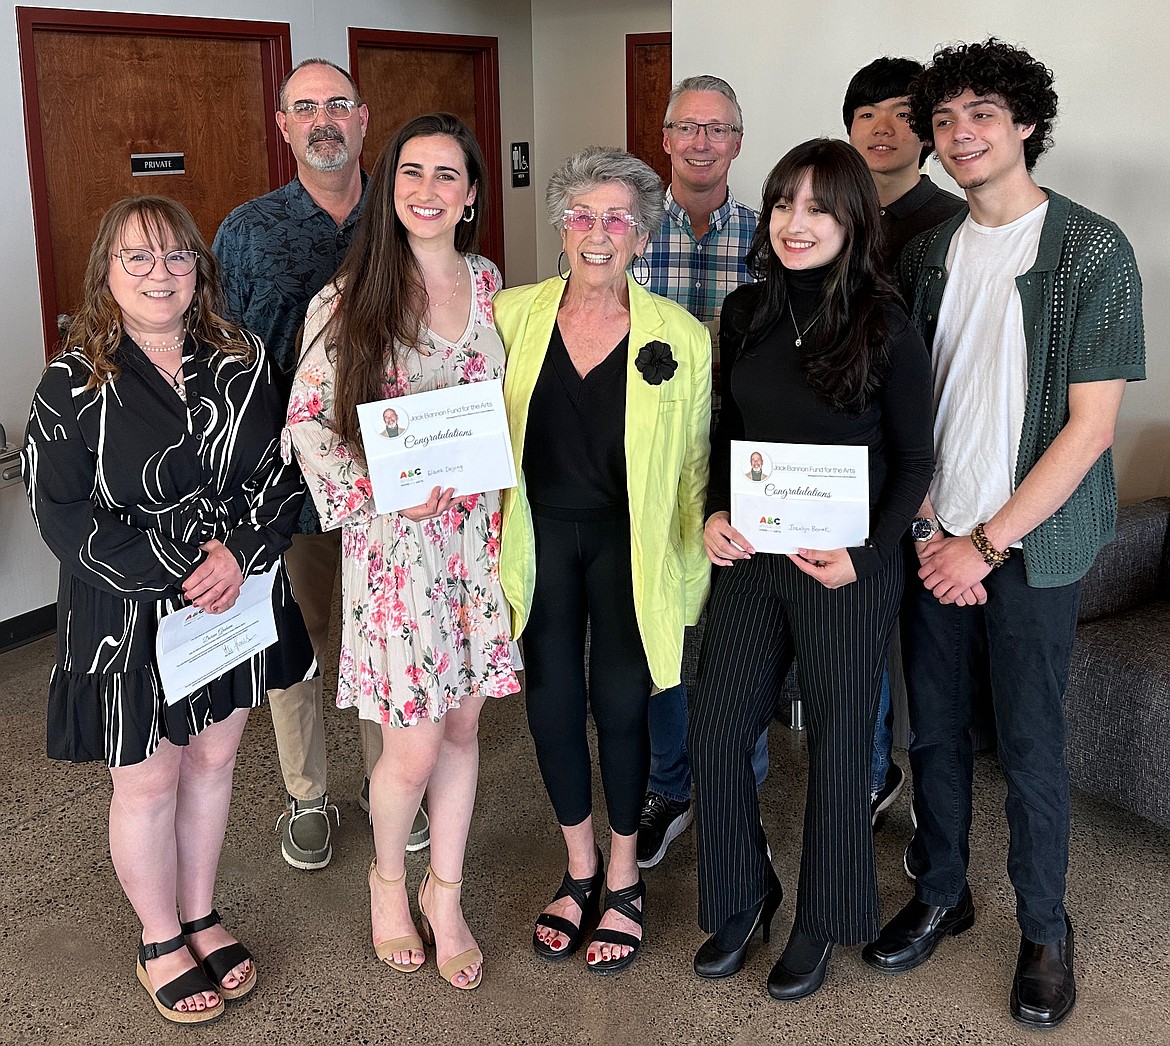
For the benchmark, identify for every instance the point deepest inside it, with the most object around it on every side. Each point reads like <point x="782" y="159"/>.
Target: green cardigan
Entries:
<point x="667" y="443"/>
<point x="1082" y="307"/>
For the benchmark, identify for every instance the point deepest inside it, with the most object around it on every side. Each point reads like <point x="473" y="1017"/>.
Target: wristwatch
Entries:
<point x="923" y="529"/>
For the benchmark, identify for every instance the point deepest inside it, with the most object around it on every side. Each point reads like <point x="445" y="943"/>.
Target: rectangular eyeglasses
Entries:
<point x="616" y="223"/>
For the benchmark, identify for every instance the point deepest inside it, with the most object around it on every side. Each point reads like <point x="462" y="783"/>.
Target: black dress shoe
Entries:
<point x="722" y="954"/>
<point x="801" y="969"/>
<point x="911" y="936"/>
<point x="1044" y="990"/>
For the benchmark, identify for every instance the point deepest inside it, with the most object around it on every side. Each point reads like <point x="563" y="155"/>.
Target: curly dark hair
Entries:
<point x="989" y="68"/>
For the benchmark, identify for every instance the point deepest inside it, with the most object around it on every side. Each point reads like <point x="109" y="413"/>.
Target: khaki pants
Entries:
<point x="298" y="715"/>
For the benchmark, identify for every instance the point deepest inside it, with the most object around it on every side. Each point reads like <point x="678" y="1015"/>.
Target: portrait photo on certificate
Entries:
<point x="788" y="496"/>
<point x="455" y="437"/>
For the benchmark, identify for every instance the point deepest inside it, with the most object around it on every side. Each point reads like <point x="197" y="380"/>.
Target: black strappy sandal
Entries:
<point x="622" y="902"/>
<point x="193" y="982"/>
<point x="223" y="960"/>
<point x="586" y="894"/>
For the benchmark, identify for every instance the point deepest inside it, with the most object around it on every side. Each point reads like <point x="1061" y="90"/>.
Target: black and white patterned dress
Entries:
<point x="126" y="481"/>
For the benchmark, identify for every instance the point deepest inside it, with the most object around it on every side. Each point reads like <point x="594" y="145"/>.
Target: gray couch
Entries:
<point x="1118" y="698"/>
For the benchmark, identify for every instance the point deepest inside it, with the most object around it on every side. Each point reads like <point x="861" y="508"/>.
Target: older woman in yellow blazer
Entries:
<point x="608" y="391"/>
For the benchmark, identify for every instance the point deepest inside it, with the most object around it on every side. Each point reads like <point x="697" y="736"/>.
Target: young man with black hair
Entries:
<point x="1031" y="306"/>
<point x="876" y="112"/>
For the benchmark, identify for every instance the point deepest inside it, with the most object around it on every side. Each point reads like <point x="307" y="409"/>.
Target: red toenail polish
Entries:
<point x="556" y="944"/>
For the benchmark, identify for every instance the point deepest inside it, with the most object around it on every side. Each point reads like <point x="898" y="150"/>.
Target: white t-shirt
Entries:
<point x="980" y="364"/>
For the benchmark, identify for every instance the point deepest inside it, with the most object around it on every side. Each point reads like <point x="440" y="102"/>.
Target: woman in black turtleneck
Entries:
<point x="819" y="351"/>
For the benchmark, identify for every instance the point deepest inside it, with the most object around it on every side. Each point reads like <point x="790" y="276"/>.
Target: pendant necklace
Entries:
<point x="796" y="327"/>
<point x="177" y="382"/>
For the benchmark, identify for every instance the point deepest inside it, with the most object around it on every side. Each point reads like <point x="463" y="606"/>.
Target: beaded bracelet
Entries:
<point x="991" y="555"/>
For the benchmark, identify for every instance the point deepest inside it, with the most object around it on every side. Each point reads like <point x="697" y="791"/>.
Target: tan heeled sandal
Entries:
<point x="451" y="968"/>
<point x="410" y="943"/>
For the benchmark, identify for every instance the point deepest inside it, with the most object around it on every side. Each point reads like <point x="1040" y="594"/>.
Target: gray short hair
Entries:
<point x="704" y="83"/>
<point x="316" y="61"/>
<point x="597" y="164"/>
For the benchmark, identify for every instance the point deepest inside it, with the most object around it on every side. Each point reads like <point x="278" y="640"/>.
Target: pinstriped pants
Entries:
<point x="763" y="612"/>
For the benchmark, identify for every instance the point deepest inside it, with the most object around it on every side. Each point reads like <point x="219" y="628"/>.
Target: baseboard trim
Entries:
<point x="24" y="628"/>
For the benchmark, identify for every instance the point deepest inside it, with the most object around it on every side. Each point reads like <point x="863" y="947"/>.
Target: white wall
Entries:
<point x="318" y="28"/>
<point x="579" y="82"/>
<point x="790" y="64"/>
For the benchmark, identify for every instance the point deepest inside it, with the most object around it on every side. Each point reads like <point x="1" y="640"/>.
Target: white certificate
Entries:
<point x="786" y="496"/>
<point x="454" y="437"/>
<point x="193" y="647"/>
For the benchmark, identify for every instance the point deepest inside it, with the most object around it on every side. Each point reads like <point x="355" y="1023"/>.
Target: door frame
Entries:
<point x="275" y="62"/>
<point x="633" y="42"/>
<point x="485" y="53"/>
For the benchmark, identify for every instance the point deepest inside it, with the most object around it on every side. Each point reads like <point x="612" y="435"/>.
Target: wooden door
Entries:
<point x="101" y="87"/>
<point x="648" y="83"/>
<point x="402" y="75"/>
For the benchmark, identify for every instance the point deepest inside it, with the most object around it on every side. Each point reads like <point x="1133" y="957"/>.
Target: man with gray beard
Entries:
<point x="277" y="252"/>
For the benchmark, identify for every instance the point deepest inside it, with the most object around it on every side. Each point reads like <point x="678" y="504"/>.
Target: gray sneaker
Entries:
<point x="304" y="829"/>
<point x="420" y="831"/>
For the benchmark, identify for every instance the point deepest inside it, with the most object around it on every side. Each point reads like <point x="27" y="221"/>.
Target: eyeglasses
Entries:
<point x="139" y="262"/>
<point x="617" y="223"/>
<point x="716" y="132"/>
<point x="335" y="109"/>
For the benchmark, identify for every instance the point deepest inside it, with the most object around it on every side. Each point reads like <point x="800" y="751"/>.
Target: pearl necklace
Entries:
<point x="148" y="346"/>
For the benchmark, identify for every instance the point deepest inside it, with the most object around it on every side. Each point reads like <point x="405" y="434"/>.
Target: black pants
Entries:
<point x="763" y="612"/>
<point x="583" y="576"/>
<point x="1022" y="640"/>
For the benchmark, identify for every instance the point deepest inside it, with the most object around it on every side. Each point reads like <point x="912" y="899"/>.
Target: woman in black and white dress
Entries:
<point x="155" y="476"/>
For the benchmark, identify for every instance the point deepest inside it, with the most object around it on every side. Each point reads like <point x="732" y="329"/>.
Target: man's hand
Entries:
<point x="953" y="570"/>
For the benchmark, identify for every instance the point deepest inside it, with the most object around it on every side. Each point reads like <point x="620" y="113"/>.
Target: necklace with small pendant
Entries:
<point x="796" y="326"/>
<point x="176" y="379"/>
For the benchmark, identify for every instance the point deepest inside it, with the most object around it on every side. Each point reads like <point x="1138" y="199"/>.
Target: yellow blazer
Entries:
<point x="667" y="445"/>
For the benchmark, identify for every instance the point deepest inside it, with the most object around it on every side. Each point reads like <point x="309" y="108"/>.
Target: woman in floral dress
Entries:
<point x="425" y="632"/>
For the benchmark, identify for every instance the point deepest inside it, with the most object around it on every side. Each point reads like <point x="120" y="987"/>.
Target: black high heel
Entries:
<point x="801" y="969"/>
<point x="720" y="956"/>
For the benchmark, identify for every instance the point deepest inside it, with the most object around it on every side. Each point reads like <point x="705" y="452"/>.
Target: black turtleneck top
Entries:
<point x="766" y="397"/>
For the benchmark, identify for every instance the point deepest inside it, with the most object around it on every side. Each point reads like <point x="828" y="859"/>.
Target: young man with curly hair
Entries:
<point x="1031" y="305"/>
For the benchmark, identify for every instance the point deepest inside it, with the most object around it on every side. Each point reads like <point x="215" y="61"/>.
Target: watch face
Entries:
<point x="922" y="529"/>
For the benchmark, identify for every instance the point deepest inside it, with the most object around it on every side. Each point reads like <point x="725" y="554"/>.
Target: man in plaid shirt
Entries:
<point x="698" y="257"/>
<point x="696" y="260"/>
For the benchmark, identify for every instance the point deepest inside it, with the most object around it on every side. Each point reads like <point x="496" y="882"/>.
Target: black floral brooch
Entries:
<point x="656" y="362"/>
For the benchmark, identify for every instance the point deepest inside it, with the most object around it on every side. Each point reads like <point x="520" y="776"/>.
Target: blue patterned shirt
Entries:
<point x="699" y="275"/>
<point x="276" y="252"/>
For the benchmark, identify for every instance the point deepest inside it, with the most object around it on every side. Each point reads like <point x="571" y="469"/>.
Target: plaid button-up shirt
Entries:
<point x="700" y="274"/>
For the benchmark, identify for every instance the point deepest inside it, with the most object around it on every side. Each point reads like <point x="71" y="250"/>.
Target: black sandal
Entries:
<point x="586" y="894"/>
<point x="193" y="982"/>
<point x="223" y="960"/>
<point x="622" y="902"/>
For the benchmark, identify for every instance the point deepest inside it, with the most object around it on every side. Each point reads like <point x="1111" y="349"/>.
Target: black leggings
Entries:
<point x="583" y="576"/>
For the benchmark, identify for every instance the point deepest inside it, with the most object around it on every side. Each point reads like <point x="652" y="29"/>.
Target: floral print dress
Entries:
<point x="425" y="622"/>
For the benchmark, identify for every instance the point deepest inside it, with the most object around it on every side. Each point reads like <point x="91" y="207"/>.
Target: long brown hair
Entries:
<point x="844" y="360"/>
<point x="384" y="299"/>
<point x="97" y="328"/>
